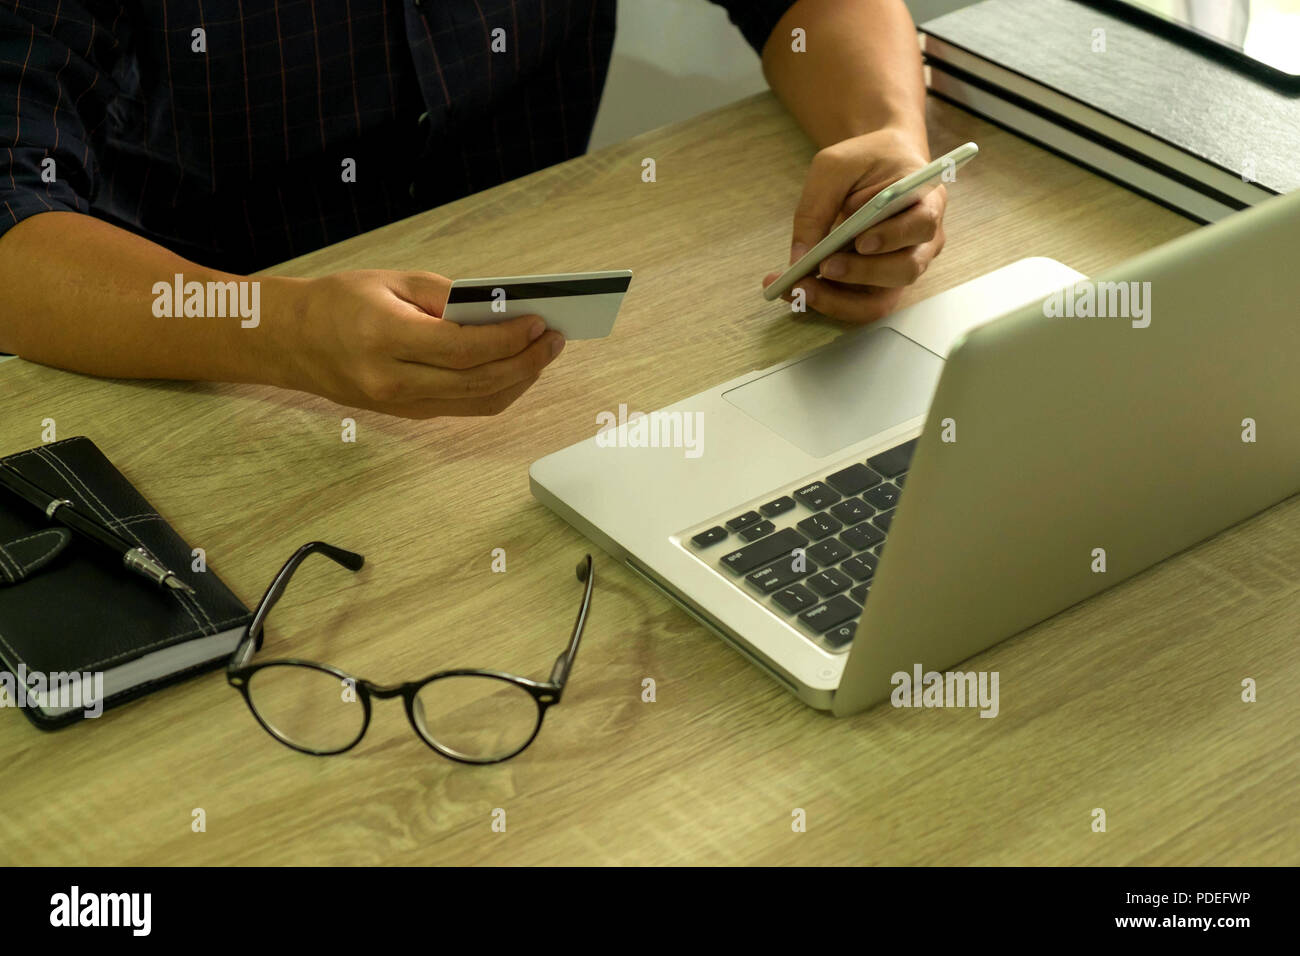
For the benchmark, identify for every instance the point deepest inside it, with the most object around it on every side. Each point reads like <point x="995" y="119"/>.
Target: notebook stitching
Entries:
<point x="216" y="625"/>
<point x="58" y="462"/>
<point x="9" y="575"/>
<point x="138" y="519"/>
<point x="32" y="451"/>
<point x="24" y="568"/>
<point x="12" y="562"/>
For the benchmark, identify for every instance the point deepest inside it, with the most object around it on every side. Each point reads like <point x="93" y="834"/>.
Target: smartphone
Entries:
<point x="893" y="199"/>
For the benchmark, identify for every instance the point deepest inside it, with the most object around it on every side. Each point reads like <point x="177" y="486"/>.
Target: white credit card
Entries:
<point x="578" y="305"/>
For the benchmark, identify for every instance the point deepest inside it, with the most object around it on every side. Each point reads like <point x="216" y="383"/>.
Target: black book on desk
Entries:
<point x="72" y="617"/>
<point x="1185" y="129"/>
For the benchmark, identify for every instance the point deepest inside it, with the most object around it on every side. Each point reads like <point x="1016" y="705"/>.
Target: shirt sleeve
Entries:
<point x="756" y="18"/>
<point x="56" y="61"/>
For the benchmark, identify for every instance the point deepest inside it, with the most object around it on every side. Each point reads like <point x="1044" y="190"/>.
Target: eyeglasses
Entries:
<point x="472" y="716"/>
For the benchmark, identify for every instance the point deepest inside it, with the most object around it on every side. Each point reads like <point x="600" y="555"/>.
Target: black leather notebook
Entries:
<point x="81" y="632"/>
<point x="1162" y="117"/>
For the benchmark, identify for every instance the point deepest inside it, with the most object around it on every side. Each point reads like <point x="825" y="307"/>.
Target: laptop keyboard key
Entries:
<point x="778" y="507"/>
<point x="884" y="496"/>
<point x="776" y="575"/>
<point x="841" y="634"/>
<point x="853" y="479"/>
<point x="852" y="510"/>
<point x="828" y="582"/>
<point x="826" y="616"/>
<point x="819" y="526"/>
<point x="817" y="495"/>
<point x="860" y="537"/>
<point x="861" y="568"/>
<point x="743" y="521"/>
<point x="829" y="551"/>
<point x="767" y="549"/>
<point x="712" y="536"/>
<point x="794" y="598"/>
<point x="895" y="461"/>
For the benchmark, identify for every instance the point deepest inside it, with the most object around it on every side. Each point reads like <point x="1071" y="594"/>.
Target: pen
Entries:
<point x="136" y="559"/>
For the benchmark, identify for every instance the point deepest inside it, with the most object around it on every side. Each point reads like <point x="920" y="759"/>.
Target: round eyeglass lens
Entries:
<point x="307" y="707"/>
<point x="476" y="718"/>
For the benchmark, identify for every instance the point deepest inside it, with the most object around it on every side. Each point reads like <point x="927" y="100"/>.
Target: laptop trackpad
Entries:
<point x="866" y="382"/>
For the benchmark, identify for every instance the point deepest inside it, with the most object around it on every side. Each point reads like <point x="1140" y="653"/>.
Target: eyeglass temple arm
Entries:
<point x="253" y="636"/>
<point x="564" y="663"/>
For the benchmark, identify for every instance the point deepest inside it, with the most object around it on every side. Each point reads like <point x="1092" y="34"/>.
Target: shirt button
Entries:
<point x="424" y="118"/>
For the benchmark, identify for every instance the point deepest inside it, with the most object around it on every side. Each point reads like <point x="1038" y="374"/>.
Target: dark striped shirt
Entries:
<point x="226" y="129"/>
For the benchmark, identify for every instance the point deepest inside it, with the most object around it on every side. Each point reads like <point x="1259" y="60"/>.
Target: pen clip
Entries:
<point x="55" y="505"/>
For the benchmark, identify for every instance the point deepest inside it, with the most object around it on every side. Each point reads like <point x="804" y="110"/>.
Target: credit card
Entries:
<point x="578" y="305"/>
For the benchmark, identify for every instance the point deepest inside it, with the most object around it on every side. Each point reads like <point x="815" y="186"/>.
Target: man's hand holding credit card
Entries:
<point x="578" y="305"/>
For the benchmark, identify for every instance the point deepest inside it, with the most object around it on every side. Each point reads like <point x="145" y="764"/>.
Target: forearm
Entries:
<point x="861" y="71"/>
<point x="79" y="293"/>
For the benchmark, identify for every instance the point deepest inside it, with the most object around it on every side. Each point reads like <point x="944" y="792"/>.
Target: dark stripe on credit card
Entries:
<point x="540" y="290"/>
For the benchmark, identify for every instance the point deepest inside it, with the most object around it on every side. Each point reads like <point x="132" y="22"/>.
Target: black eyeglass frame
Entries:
<point x="240" y="670"/>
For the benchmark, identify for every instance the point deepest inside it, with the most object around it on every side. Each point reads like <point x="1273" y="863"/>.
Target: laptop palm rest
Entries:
<point x="857" y="387"/>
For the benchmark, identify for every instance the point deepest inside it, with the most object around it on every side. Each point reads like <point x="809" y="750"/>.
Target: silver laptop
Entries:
<point x="927" y="486"/>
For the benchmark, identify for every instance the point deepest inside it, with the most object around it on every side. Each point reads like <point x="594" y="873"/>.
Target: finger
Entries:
<point x="830" y="178"/>
<point x="887" y="269"/>
<point x="442" y="344"/>
<point x="421" y="381"/>
<point x="850" y="303"/>
<point x="911" y="227"/>
<point x="787" y="296"/>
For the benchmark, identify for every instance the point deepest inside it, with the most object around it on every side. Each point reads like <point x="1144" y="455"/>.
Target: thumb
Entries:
<point x="829" y="181"/>
<point x="427" y="291"/>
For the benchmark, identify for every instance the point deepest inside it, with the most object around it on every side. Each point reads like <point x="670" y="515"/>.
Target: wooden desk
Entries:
<point x="1129" y="702"/>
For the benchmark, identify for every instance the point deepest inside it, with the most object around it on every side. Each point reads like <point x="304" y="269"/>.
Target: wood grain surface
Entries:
<point x="1129" y="702"/>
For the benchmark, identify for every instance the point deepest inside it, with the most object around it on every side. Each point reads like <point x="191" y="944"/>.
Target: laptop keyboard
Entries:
<point x="841" y="522"/>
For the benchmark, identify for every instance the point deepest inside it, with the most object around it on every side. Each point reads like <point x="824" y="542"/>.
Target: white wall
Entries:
<point x="677" y="58"/>
<point x="672" y="59"/>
